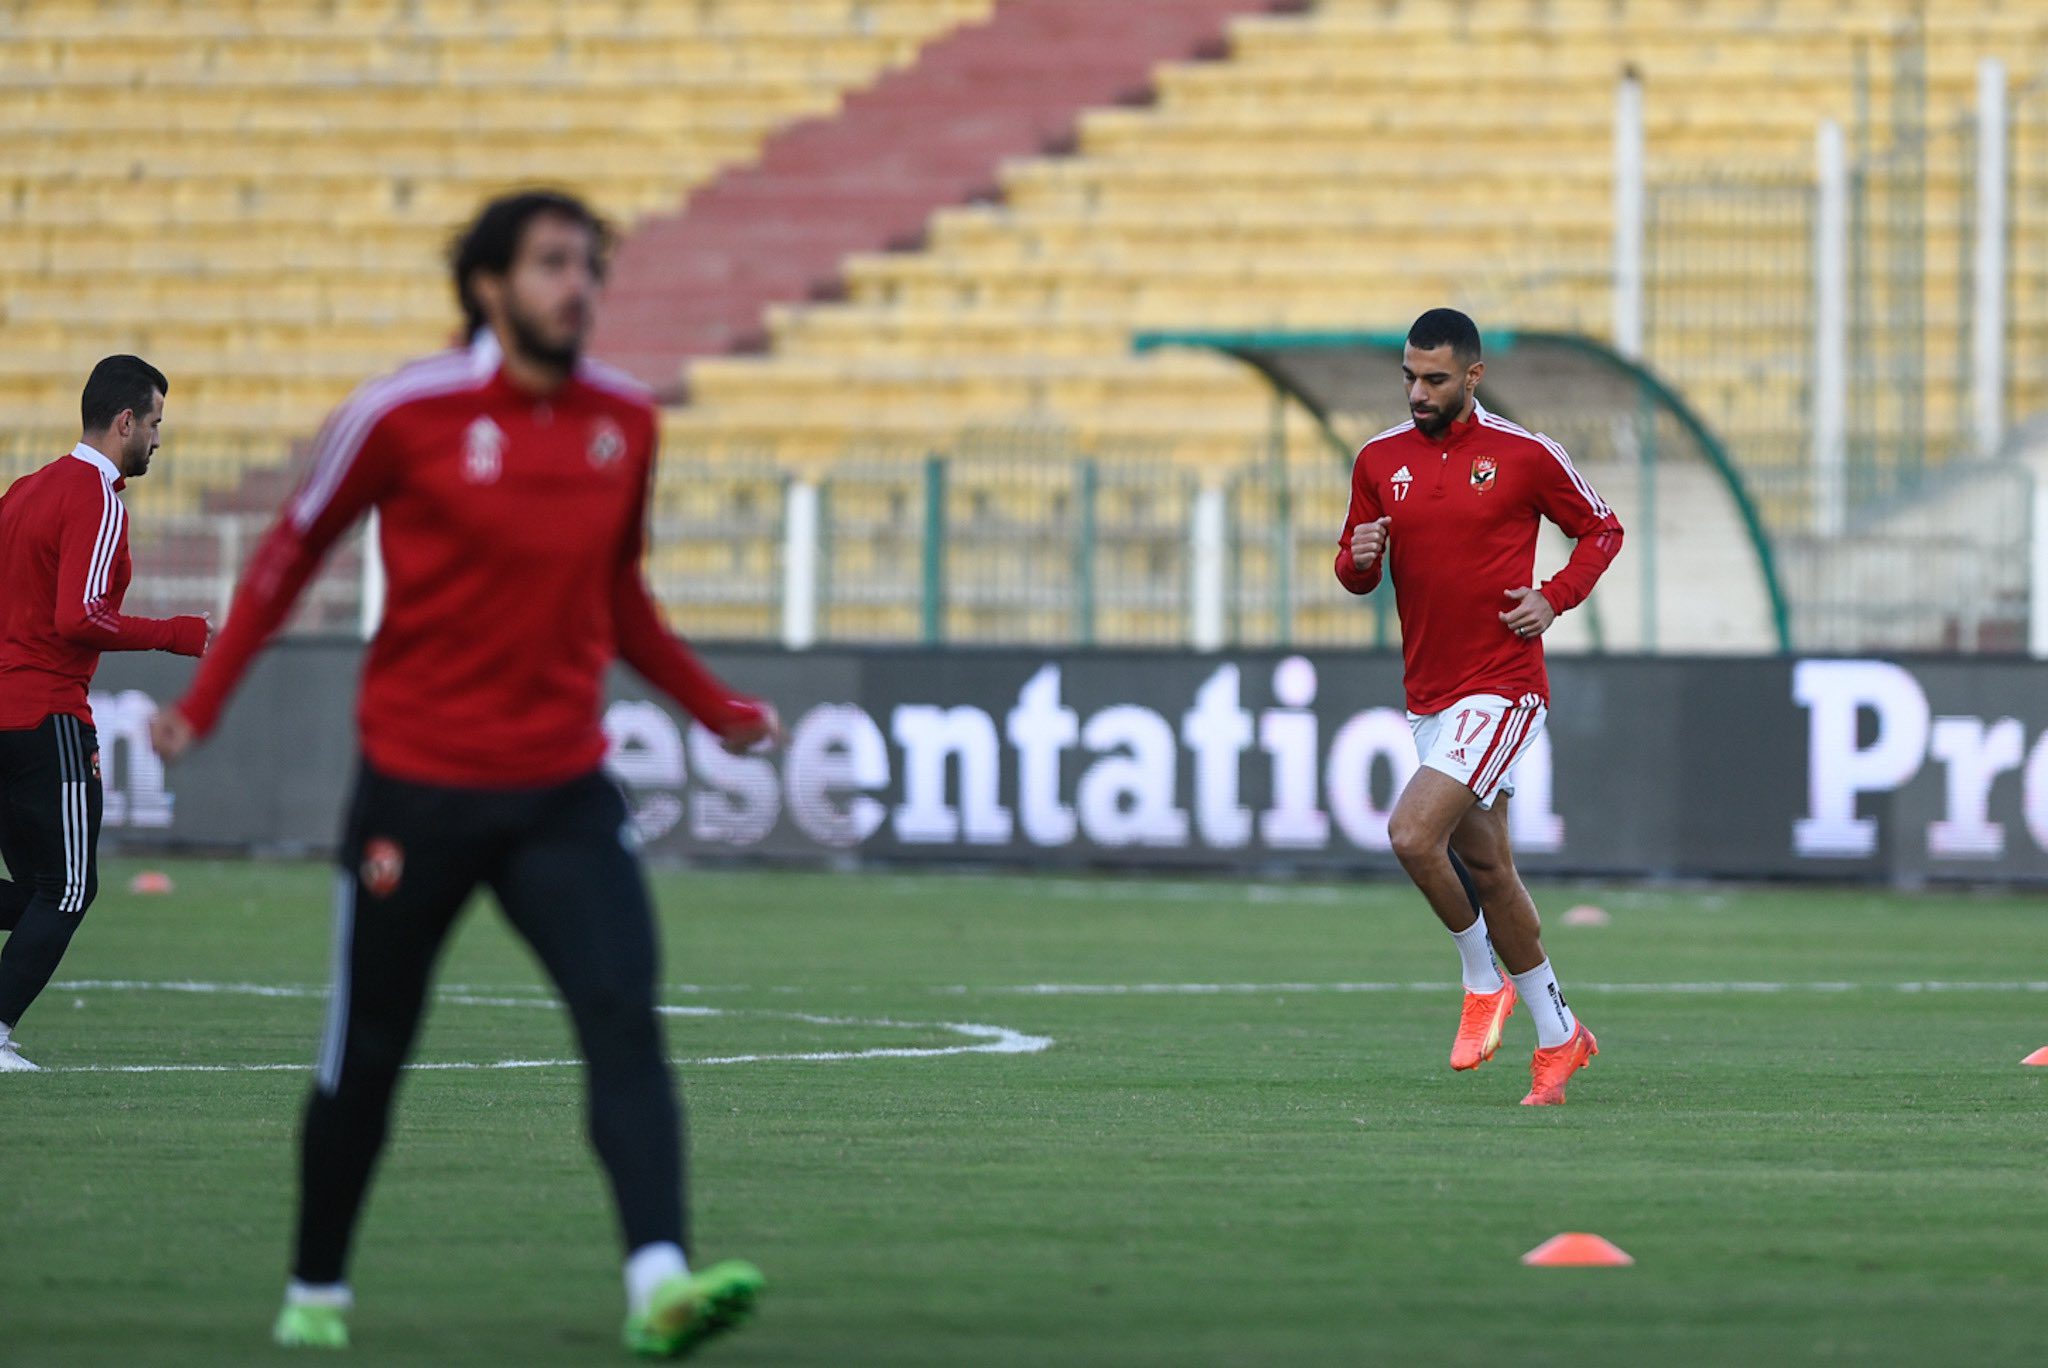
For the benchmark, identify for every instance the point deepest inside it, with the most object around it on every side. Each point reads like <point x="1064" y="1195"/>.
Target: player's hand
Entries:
<point x="171" y="734"/>
<point x="745" y="736"/>
<point x="1369" y="542"/>
<point x="1532" y="614"/>
<point x="190" y="634"/>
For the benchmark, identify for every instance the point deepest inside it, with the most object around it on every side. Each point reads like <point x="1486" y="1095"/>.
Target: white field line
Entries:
<point x="1226" y="892"/>
<point x="1681" y="987"/>
<point x="986" y="1039"/>
<point x="1719" y="986"/>
<point x="538" y="997"/>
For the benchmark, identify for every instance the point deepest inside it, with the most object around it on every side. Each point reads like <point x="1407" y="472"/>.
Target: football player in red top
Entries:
<point x="64" y="562"/>
<point x="1447" y="505"/>
<point x="511" y="479"/>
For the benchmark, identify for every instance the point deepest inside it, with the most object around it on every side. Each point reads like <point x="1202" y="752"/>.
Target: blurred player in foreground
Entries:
<point x="511" y="479"/>
<point x="1448" y="504"/>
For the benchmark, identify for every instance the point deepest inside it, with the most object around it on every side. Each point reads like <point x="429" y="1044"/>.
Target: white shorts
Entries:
<point x="1478" y="739"/>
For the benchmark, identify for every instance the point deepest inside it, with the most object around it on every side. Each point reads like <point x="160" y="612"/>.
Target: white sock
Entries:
<point x="5" y="1032"/>
<point x="336" y="1295"/>
<point x="646" y="1268"/>
<point x="1475" y="955"/>
<point x="1545" y="1000"/>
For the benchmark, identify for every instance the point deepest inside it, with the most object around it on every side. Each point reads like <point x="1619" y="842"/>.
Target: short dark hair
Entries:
<point x="491" y="241"/>
<point x="117" y="384"/>
<point x="1441" y="326"/>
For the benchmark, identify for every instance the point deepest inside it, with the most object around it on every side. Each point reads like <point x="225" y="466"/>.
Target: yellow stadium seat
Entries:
<point x="257" y="193"/>
<point x="1342" y="170"/>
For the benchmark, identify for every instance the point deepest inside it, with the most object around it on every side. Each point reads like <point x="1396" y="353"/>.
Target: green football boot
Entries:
<point x="311" y="1327"/>
<point x="689" y="1309"/>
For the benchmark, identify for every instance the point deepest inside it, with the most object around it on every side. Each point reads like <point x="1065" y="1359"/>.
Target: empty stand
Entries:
<point x="256" y="195"/>
<point x="1342" y="169"/>
<point x="868" y="177"/>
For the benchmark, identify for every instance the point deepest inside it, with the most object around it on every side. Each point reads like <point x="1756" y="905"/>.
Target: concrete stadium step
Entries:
<point x="934" y="134"/>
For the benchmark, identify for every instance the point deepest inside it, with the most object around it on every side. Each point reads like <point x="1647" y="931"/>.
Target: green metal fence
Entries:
<point x="1006" y="537"/>
<point x="1740" y="266"/>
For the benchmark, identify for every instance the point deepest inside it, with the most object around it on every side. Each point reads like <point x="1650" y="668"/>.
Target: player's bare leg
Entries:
<point x="1481" y="841"/>
<point x="1430" y="809"/>
<point x="1563" y="1045"/>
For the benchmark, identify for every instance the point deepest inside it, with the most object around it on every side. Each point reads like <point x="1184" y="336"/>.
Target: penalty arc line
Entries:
<point x="1001" y="1040"/>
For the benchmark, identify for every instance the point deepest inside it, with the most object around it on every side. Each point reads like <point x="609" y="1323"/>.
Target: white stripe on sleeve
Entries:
<point x="105" y="544"/>
<point x="341" y="439"/>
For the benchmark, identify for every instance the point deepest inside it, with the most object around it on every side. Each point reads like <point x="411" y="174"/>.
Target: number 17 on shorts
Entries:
<point x="1478" y="739"/>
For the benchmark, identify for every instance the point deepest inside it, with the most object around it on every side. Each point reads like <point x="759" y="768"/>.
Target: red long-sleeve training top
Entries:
<point x="64" y="570"/>
<point x="1464" y="509"/>
<point x="511" y="526"/>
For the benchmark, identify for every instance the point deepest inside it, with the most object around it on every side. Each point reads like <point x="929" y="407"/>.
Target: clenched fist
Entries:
<point x="742" y="737"/>
<point x="1369" y="542"/>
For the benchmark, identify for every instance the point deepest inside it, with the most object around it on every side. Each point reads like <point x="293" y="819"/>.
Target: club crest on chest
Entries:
<point x="607" y="444"/>
<point x="483" y="452"/>
<point x="1484" y="469"/>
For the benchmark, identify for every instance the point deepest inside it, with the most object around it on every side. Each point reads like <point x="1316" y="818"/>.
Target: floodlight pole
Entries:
<point x="2037" y="598"/>
<point x="1631" y="218"/>
<point x="1831" y="330"/>
<point x="933" y="611"/>
<point x="1629" y="215"/>
<point x="1987" y="314"/>
<point x="800" y="565"/>
<point x="1090" y="481"/>
<point x="230" y="566"/>
<point x="1283" y="525"/>
<point x="1208" y="553"/>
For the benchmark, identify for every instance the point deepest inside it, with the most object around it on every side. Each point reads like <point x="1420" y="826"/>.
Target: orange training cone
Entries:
<point x="1576" y="1249"/>
<point x="150" y="881"/>
<point x="2039" y="1056"/>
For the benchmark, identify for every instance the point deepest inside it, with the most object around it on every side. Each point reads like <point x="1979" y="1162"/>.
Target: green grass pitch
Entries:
<point x="1811" y="1159"/>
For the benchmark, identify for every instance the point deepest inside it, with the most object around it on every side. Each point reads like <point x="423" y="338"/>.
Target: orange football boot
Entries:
<point x="1480" y="1023"/>
<point x="1551" y="1068"/>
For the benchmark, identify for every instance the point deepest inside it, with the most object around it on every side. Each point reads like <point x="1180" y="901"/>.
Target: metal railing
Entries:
<point x="1046" y="545"/>
<point x="1033" y="540"/>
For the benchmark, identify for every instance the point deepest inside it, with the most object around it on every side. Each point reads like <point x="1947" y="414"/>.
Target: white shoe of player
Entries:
<point x="12" y="1062"/>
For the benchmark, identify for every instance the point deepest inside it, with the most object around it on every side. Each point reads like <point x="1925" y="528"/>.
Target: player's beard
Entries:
<point x="135" y="456"/>
<point x="1439" y="421"/>
<point x="527" y="338"/>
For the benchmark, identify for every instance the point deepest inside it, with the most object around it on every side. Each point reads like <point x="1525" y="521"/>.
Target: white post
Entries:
<point x="800" y="565"/>
<point x="1209" y="554"/>
<point x="230" y="567"/>
<point x="1831" y="331"/>
<point x="1629" y="199"/>
<point x="2037" y="598"/>
<point x="373" y="576"/>
<point x="1987" y="316"/>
